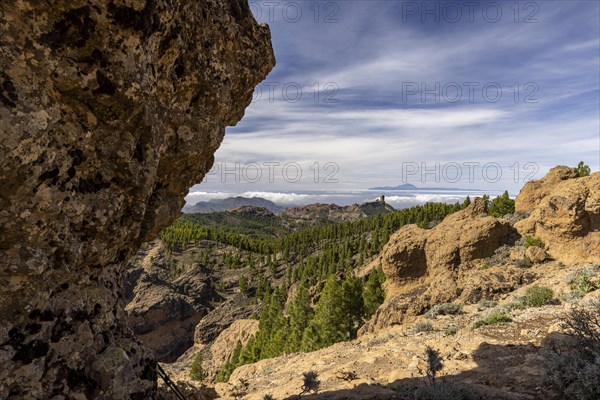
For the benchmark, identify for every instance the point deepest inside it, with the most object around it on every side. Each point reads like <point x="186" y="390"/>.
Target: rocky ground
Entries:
<point x="499" y="361"/>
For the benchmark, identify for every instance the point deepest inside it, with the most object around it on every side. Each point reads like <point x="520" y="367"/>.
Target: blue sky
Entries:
<point x="370" y="126"/>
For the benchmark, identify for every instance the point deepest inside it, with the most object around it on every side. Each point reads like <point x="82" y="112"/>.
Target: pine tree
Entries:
<point x="373" y="294"/>
<point x="327" y="326"/>
<point x="247" y="354"/>
<point x="228" y="368"/>
<point x="197" y="373"/>
<point x="243" y="284"/>
<point x="300" y="314"/>
<point x="467" y="202"/>
<point x="501" y="206"/>
<point x="352" y="304"/>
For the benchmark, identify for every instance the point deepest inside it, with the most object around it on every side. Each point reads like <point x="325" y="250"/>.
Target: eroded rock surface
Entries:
<point x="109" y="112"/>
<point x="215" y="354"/>
<point x="533" y="192"/>
<point x="165" y="302"/>
<point x="431" y="266"/>
<point x="566" y="217"/>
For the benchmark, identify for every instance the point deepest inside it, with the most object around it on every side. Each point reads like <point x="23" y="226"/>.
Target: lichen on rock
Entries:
<point x="109" y="112"/>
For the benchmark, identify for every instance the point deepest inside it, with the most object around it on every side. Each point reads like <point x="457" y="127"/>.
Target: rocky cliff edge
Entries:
<point x="109" y="112"/>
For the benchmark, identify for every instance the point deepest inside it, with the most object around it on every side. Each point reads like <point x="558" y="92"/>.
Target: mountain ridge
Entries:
<point x="217" y="205"/>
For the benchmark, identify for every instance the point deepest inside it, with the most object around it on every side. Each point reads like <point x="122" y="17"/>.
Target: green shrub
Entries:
<point x="451" y="331"/>
<point x="538" y="296"/>
<point x="496" y="318"/>
<point x="483" y="304"/>
<point x="444" y="309"/>
<point x="197" y="373"/>
<point x="525" y="263"/>
<point x="582" y="283"/>
<point x="423" y="326"/>
<point x="583" y="169"/>
<point x="532" y="241"/>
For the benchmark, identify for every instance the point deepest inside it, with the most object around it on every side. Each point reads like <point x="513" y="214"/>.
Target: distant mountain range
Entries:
<point x="311" y="214"/>
<point x="408" y="186"/>
<point x="216" y="205"/>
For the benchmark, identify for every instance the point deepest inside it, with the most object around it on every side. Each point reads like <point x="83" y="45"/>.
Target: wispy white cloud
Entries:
<point x="371" y="131"/>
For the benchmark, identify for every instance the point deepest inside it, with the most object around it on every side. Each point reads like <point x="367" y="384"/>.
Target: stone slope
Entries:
<point x="109" y="112"/>
<point x="216" y="205"/>
<point x="214" y="354"/>
<point x="313" y="214"/>
<point x="174" y="301"/>
<point x="500" y="361"/>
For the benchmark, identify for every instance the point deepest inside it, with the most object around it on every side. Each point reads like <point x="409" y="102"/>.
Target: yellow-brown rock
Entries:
<point x="427" y="266"/>
<point x="566" y="219"/>
<point x="109" y="112"/>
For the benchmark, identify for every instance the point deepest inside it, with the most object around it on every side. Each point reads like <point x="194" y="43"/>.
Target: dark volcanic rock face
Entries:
<point x="109" y="112"/>
<point x="165" y="305"/>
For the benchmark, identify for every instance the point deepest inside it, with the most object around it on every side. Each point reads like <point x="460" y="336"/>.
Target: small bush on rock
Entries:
<point x="311" y="382"/>
<point x="538" y="296"/>
<point x="573" y="369"/>
<point x="423" y="326"/>
<point x="582" y="281"/>
<point x="435" y="388"/>
<point x="583" y="169"/>
<point x="483" y="304"/>
<point x="525" y="263"/>
<point x="451" y="331"/>
<point x="444" y="309"/>
<point x="496" y="318"/>
<point x="532" y="241"/>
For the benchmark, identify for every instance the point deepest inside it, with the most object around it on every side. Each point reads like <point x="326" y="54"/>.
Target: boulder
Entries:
<point x="566" y="219"/>
<point x="460" y="238"/>
<point x="536" y="254"/>
<point x="533" y="192"/>
<point x="109" y="112"/>
<point x="428" y="266"/>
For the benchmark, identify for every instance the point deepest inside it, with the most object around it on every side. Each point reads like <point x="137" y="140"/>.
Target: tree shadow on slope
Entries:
<point x="503" y="372"/>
